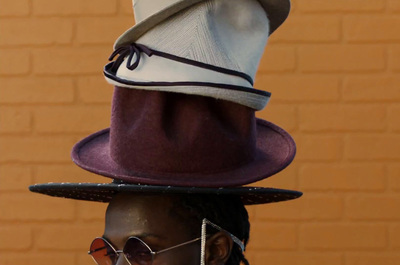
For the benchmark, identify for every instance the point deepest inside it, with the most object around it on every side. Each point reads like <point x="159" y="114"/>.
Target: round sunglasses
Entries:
<point x="137" y="252"/>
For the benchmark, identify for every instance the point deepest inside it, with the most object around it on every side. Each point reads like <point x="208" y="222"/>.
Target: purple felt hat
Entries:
<point x="162" y="138"/>
<point x="176" y="143"/>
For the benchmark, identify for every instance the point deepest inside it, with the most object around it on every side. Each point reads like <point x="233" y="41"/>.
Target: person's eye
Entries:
<point x="143" y="254"/>
<point x="139" y="256"/>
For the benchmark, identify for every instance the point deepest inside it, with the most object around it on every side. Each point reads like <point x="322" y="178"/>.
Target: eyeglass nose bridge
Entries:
<point x="121" y="253"/>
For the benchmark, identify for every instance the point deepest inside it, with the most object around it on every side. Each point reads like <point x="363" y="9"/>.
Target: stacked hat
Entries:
<point x="183" y="111"/>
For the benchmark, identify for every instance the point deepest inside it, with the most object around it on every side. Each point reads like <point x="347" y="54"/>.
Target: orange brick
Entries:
<point x="273" y="236"/>
<point x="65" y="119"/>
<point x="110" y="27"/>
<point x="250" y="254"/>
<point x="285" y="179"/>
<point x="394" y="58"/>
<point x="394" y="236"/>
<point x="15" y="237"/>
<point x="94" y="89"/>
<point x="277" y="59"/>
<point x="341" y="58"/>
<point x="340" y="5"/>
<point x="125" y="7"/>
<point x="14" y="62"/>
<point x="66" y="173"/>
<point x="83" y="259"/>
<point x="35" y="31"/>
<point x="30" y="206"/>
<point x="394" y="118"/>
<point x="85" y="60"/>
<point x="324" y="29"/>
<point x="91" y="211"/>
<point x="14" y="8"/>
<point x="39" y="149"/>
<point x="393" y="5"/>
<point x="394" y="180"/>
<point x="36" y="90"/>
<point x="373" y="207"/>
<point x="252" y="213"/>
<point x="318" y="148"/>
<point x="282" y="115"/>
<point x="293" y="7"/>
<point x="370" y="28"/>
<point x="369" y="89"/>
<point x="309" y="207"/>
<point x="296" y="258"/>
<point x="373" y="259"/>
<point x="15" y="177"/>
<point x="324" y="117"/>
<point x="372" y="147"/>
<point x="37" y="258"/>
<point x="74" y="7"/>
<point x="299" y="88"/>
<point x="14" y="120"/>
<point x="346" y="177"/>
<point x="343" y="236"/>
<point x="74" y="237"/>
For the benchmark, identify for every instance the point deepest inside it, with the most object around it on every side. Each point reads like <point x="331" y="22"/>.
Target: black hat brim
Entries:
<point x="104" y="192"/>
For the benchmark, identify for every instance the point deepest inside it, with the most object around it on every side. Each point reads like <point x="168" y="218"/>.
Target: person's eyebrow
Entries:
<point x="141" y="236"/>
<point x="144" y="235"/>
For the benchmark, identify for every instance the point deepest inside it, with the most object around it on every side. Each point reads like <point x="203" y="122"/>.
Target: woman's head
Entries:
<point x="163" y="221"/>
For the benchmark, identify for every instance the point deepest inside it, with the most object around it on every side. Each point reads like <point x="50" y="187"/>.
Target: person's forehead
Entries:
<point x="131" y="207"/>
<point x="138" y="215"/>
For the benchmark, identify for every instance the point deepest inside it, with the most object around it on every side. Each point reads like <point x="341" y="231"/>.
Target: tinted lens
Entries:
<point x="137" y="252"/>
<point x="102" y="252"/>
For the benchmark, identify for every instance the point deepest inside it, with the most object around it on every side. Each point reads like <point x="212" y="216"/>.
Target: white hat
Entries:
<point x="211" y="49"/>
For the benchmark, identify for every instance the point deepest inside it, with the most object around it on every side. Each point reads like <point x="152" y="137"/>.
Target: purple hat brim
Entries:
<point x="275" y="151"/>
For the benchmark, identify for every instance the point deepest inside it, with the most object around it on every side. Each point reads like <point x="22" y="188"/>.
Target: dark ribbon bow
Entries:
<point x="129" y="50"/>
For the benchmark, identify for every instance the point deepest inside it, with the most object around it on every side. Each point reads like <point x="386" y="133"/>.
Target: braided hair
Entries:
<point x="227" y="212"/>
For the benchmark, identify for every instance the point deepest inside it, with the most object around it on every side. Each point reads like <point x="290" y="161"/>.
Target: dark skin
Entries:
<point x="150" y="218"/>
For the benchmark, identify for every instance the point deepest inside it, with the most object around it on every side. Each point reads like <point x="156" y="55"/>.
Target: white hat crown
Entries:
<point x="227" y="33"/>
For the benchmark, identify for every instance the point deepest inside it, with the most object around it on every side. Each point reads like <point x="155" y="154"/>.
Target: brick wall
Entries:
<point x="333" y="69"/>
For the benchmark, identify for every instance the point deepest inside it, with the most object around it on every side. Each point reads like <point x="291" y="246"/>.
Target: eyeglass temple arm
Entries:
<point x="185" y="243"/>
<point x="234" y="238"/>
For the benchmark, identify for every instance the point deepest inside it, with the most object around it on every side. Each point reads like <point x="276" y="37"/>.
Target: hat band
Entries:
<point x="134" y="50"/>
<point x="163" y="74"/>
<point x="185" y="84"/>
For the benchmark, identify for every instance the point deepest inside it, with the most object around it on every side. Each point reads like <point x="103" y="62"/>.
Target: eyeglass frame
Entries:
<point x="154" y="253"/>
